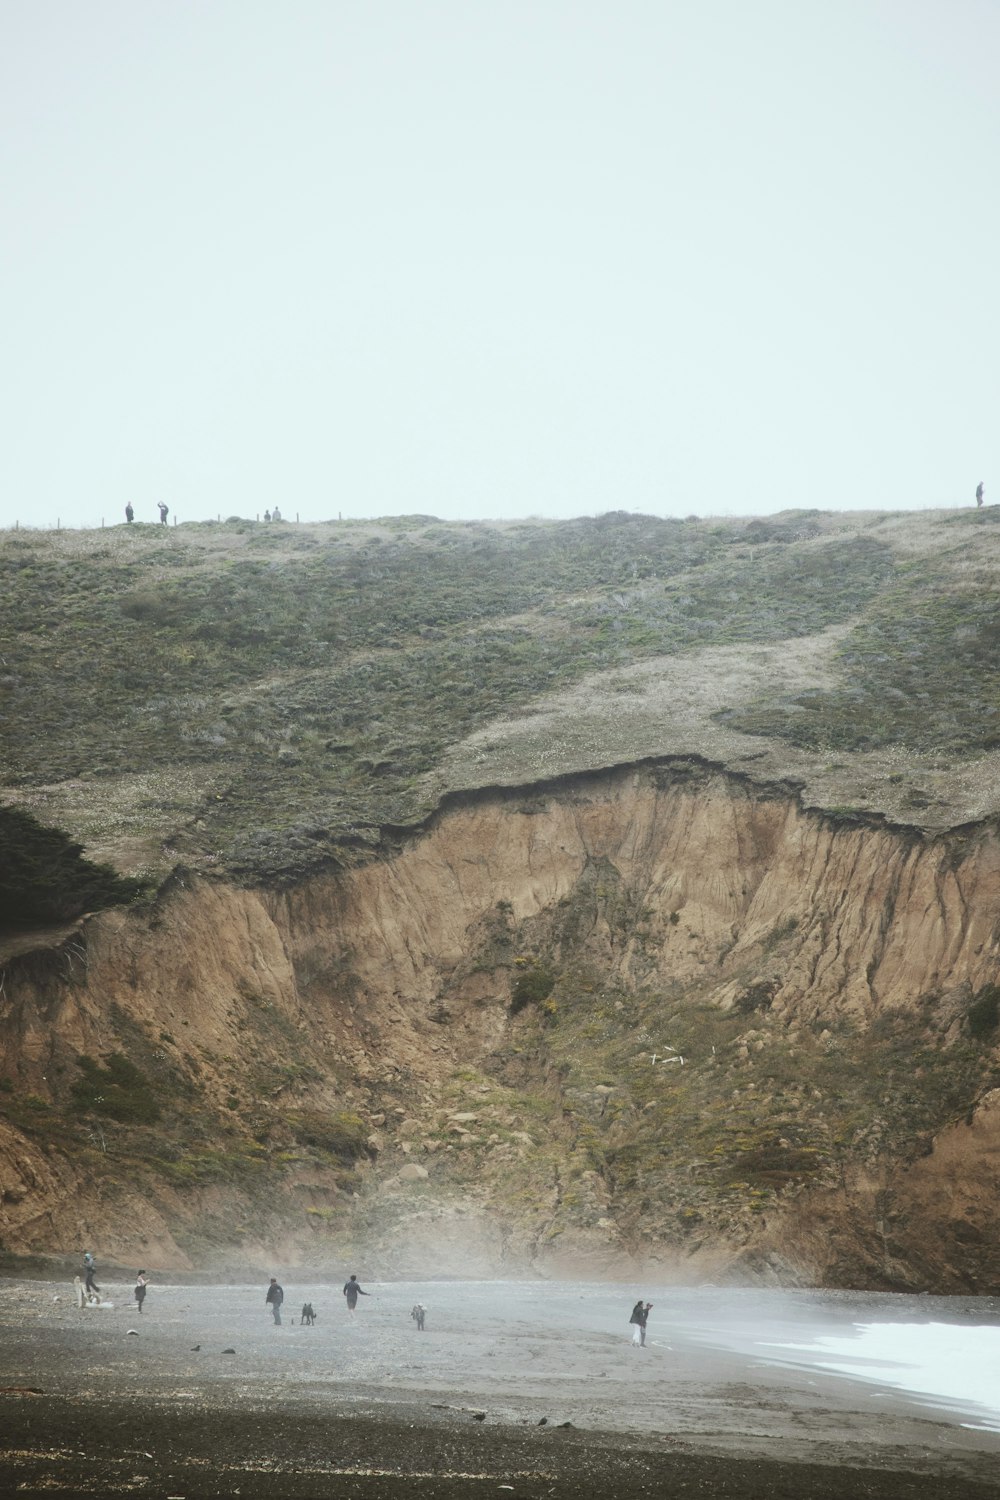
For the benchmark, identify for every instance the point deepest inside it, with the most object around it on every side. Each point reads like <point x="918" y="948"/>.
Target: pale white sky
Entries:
<point x="484" y="258"/>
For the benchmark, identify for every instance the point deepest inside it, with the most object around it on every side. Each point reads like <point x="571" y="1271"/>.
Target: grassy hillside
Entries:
<point x="256" y="697"/>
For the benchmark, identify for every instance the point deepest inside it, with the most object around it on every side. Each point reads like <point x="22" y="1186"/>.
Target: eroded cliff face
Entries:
<point x="466" y="1056"/>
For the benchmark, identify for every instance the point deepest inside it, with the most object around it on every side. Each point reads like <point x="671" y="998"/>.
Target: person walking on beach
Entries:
<point x="640" y="1313"/>
<point x="418" y="1312"/>
<point x="352" y="1291"/>
<point x="90" y="1287"/>
<point x="275" y="1297"/>
<point x="140" y="1289"/>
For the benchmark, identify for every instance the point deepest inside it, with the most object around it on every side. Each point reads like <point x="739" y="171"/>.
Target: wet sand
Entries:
<point x="368" y="1406"/>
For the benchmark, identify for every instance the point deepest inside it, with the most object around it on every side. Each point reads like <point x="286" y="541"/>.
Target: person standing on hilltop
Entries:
<point x="352" y="1291"/>
<point x="164" y="512"/>
<point x="980" y="491"/>
<point x="274" y="1298"/>
<point x="129" y="513"/>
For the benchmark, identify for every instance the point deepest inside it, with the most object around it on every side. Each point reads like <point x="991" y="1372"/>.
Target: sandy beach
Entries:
<point x="528" y="1389"/>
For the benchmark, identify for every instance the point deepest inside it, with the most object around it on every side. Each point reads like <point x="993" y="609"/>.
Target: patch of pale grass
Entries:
<point x="122" y="820"/>
<point x="665" y="707"/>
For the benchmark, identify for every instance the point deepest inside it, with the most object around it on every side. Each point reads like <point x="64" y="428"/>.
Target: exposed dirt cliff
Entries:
<point x="651" y="1014"/>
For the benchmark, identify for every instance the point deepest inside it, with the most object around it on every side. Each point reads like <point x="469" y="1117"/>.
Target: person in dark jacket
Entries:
<point x="352" y="1292"/>
<point x="275" y="1297"/>
<point x="90" y="1287"/>
<point x="129" y="513"/>
<point x="640" y="1313"/>
<point x="140" y="1289"/>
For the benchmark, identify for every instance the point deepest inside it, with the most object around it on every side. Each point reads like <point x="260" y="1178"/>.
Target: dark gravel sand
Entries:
<point x="67" y="1447"/>
<point x="369" y="1407"/>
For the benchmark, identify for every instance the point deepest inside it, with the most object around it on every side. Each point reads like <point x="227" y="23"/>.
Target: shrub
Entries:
<point x="117" y="1090"/>
<point x="343" y="1134"/>
<point x="531" y="987"/>
<point x="983" y="1015"/>
<point x="756" y="996"/>
<point x="45" y="878"/>
<point x="774" y="1164"/>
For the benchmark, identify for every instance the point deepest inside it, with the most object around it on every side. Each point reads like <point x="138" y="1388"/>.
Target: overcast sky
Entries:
<point x="483" y="258"/>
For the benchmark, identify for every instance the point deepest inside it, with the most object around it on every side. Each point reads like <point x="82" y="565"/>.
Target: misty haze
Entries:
<point x="500" y="749"/>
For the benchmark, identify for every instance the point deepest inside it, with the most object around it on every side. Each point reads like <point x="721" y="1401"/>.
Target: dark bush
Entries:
<point x="774" y="1165"/>
<point x="531" y="987"/>
<point x="984" y="1013"/>
<point x="341" y="1134"/>
<point x="117" y="1090"/>
<point x="45" y="878"/>
<point x="756" y="996"/>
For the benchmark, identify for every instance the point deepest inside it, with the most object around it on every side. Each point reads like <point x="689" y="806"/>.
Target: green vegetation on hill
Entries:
<point x="683" y="1122"/>
<point x="316" y="673"/>
<point x="920" y="670"/>
<point x="750" y="1114"/>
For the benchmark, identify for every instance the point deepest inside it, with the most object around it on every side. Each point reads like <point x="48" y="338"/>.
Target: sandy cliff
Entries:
<point x="457" y="1052"/>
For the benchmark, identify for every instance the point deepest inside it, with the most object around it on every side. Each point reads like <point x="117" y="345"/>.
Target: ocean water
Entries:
<point x="946" y="1362"/>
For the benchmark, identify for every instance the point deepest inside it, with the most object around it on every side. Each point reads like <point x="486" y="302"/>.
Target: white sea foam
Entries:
<point x="950" y="1362"/>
